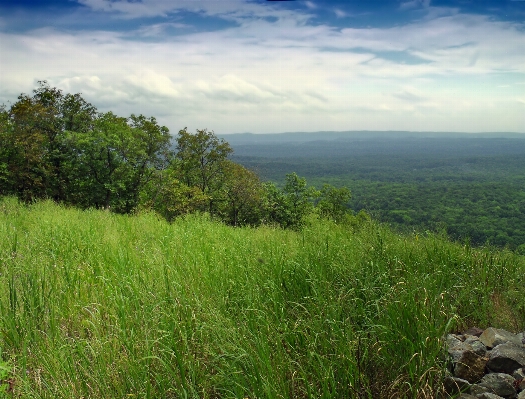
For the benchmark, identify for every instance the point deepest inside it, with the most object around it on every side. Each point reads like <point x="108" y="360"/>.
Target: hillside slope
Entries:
<point x="100" y="305"/>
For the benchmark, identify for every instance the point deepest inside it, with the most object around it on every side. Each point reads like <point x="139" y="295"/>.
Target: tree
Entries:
<point x="333" y="203"/>
<point x="244" y="195"/>
<point x="102" y="169"/>
<point x="299" y="198"/>
<point x="6" y="183"/>
<point x="290" y="206"/>
<point x="117" y="158"/>
<point x="38" y="150"/>
<point x="169" y="197"/>
<point x="200" y="159"/>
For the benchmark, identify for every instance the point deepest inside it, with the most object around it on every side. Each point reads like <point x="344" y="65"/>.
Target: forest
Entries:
<point x="57" y="146"/>
<point x="470" y="186"/>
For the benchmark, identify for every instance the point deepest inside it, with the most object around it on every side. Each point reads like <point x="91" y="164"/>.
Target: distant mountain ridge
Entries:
<point x="302" y="137"/>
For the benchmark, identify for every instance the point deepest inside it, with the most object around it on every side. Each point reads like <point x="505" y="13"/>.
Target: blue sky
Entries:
<point x="257" y="66"/>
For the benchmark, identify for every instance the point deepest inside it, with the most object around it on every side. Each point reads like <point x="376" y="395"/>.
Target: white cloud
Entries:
<point x="283" y="76"/>
<point x="414" y="4"/>
<point x="340" y="13"/>
<point x="310" y="4"/>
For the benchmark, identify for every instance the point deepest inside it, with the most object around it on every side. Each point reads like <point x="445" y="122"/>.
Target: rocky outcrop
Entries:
<point x="486" y="364"/>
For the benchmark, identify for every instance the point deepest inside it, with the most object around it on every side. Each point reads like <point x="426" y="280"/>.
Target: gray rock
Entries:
<point x="521" y="395"/>
<point x="454" y="385"/>
<point x="457" y="350"/>
<point x="499" y="383"/>
<point x="489" y="395"/>
<point x="519" y="374"/>
<point x="474" y="331"/>
<point x="476" y="390"/>
<point x="475" y="345"/>
<point x="453" y="340"/>
<point x="470" y="367"/>
<point x="506" y="358"/>
<point x="466" y="396"/>
<point x="493" y="337"/>
<point x="521" y="336"/>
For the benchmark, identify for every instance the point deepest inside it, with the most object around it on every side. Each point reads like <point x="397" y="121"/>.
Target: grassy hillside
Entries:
<point x="99" y="305"/>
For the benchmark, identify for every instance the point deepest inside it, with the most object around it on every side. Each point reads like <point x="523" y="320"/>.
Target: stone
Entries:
<point x="475" y="345"/>
<point x="521" y="395"/>
<point x="474" y="331"/>
<point x="466" y="396"/>
<point x="506" y="358"/>
<point x="476" y="389"/>
<point x="454" y="385"/>
<point x="499" y="383"/>
<point x="519" y="374"/>
<point x="489" y="395"/>
<point x="493" y="337"/>
<point x="453" y="340"/>
<point x="470" y="367"/>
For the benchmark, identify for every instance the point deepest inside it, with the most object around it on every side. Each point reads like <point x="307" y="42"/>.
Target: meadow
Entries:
<point x="100" y="305"/>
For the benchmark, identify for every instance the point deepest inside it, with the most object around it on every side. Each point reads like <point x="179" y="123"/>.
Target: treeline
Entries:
<point x="58" y="146"/>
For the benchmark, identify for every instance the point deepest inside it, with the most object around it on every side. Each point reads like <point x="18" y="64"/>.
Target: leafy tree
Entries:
<point x="169" y="197"/>
<point x="299" y="198"/>
<point x="244" y="195"/>
<point x="147" y="152"/>
<point x="201" y="158"/>
<point x="333" y="202"/>
<point x="38" y="150"/>
<point x="290" y="206"/>
<point x="102" y="170"/>
<point x="5" y="152"/>
<point x="118" y="158"/>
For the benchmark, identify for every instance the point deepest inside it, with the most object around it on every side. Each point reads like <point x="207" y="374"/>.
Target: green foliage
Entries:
<point x="290" y="206"/>
<point x="58" y="147"/>
<point x="201" y="158"/>
<point x="333" y="203"/>
<point x="103" y="305"/>
<point x="469" y="186"/>
<point x="243" y="196"/>
<point x="165" y="194"/>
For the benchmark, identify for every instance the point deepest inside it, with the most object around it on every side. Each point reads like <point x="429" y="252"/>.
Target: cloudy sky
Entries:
<point x="277" y="66"/>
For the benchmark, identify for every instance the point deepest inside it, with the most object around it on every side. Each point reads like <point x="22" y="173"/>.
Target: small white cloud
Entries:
<point x="407" y="5"/>
<point x="310" y="4"/>
<point x="409" y="96"/>
<point x="340" y="13"/>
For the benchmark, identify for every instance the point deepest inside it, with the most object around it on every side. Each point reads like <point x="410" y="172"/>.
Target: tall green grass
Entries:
<point x="97" y="305"/>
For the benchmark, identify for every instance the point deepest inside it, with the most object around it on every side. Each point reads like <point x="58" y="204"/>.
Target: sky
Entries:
<point x="235" y="66"/>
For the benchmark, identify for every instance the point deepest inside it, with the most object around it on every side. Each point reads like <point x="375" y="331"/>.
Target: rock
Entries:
<point x="519" y="374"/>
<point x="499" y="383"/>
<point x="521" y="395"/>
<point x="493" y="337"/>
<point x="470" y="366"/>
<point x="506" y="358"/>
<point x="477" y="390"/>
<point x="474" y="331"/>
<point x="475" y="345"/>
<point x="466" y="396"/>
<point x="489" y="395"/>
<point x="454" y="385"/>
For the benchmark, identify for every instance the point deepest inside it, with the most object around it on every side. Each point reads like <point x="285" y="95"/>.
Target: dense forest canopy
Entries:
<point x="471" y="186"/>
<point x="58" y="146"/>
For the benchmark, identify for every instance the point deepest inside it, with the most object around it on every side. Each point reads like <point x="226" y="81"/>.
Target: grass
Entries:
<point x="97" y="305"/>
